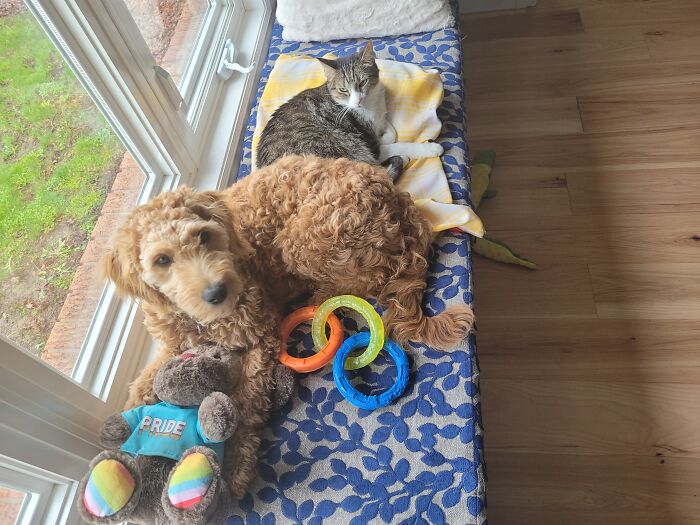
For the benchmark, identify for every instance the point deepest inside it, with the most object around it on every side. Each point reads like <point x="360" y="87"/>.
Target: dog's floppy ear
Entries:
<point x="111" y="270"/>
<point x="209" y="206"/>
<point x="118" y="266"/>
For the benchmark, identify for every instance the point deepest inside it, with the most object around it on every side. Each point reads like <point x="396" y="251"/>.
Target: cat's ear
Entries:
<point x="368" y="52"/>
<point x="329" y="66"/>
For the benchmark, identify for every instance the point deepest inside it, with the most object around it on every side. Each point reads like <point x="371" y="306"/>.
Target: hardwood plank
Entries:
<point x="620" y="14"/>
<point x="673" y="40"/>
<point x="522" y="189"/>
<point x="577" y="405"/>
<point x="633" y="150"/>
<point x="580" y="417"/>
<point x="553" y="202"/>
<point x="636" y="191"/>
<point x="606" y="490"/>
<point x="506" y="118"/>
<point x="576" y="49"/>
<point x="597" y="350"/>
<point x="647" y="291"/>
<point x="507" y="79"/>
<point x="643" y="108"/>
<point x="521" y="24"/>
<point x="556" y="516"/>
<point x="599" y="239"/>
<point x="547" y="5"/>
<point x="552" y="290"/>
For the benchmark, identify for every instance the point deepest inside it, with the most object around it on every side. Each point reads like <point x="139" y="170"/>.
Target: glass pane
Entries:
<point x="65" y="182"/>
<point x="10" y="500"/>
<point x="171" y="29"/>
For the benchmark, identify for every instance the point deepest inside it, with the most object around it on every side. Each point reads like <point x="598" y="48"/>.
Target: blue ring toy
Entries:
<point x="353" y="395"/>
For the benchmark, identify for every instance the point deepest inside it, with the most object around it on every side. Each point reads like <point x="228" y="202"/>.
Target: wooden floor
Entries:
<point x="591" y="364"/>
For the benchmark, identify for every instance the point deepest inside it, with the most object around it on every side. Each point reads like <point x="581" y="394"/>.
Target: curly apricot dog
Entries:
<point x="218" y="267"/>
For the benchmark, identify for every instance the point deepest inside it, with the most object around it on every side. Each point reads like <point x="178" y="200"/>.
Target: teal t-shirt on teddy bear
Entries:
<point x="166" y="430"/>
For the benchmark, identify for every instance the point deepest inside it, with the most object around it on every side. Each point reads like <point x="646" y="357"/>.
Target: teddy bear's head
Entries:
<point x="188" y="378"/>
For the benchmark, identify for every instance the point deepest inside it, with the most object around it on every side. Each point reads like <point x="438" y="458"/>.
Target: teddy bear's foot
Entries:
<point x="111" y="489"/>
<point x="193" y="492"/>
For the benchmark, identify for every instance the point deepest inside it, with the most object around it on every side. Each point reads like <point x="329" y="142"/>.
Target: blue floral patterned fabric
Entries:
<point x="323" y="461"/>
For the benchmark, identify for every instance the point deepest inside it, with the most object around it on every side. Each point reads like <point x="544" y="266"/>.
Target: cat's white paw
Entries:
<point x="431" y="149"/>
<point x="388" y="136"/>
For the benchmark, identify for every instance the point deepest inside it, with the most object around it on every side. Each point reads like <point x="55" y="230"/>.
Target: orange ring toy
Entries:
<point x="316" y="361"/>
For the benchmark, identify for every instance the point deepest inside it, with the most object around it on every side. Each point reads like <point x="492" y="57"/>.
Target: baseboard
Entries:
<point x="476" y="6"/>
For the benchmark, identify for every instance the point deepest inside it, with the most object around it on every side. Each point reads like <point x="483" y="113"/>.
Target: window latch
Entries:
<point x="228" y="64"/>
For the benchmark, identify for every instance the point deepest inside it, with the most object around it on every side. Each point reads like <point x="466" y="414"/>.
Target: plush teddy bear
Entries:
<point x="164" y="465"/>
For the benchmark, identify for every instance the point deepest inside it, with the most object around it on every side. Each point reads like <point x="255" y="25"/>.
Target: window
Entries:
<point x="171" y="29"/>
<point x="104" y="105"/>
<point x="11" y="503"/>
<point x="60" y="163"/>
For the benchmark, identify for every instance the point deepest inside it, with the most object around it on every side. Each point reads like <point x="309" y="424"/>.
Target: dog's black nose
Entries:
<point x="215" y="294"/>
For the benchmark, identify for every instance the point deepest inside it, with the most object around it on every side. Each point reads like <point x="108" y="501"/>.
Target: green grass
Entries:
<point x="60" y="254"/>
<point x="55" y="147"/>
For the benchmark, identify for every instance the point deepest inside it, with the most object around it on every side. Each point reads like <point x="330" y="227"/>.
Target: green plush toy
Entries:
<point x="481" y="168"/>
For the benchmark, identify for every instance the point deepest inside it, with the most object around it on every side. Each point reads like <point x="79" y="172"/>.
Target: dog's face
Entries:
<point x="180" y="248"/>
<point x="188" y="260"/>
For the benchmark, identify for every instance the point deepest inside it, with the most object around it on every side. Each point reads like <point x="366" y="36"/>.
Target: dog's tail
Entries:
<point x="406" y="321"/>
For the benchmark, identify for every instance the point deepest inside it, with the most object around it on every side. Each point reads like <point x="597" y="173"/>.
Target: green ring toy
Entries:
<point x="376" y="328"/>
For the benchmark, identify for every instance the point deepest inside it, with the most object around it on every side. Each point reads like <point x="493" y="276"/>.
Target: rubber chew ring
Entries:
<point x="376" y="327"/>
<point x="356" y="397"/>
<point x="316" y="361"/>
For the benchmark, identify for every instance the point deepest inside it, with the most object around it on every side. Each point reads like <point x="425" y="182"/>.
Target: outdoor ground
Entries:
<point x="65" y="181"/>
<point x="58" y="160"/>
<point x="62" y="171"/>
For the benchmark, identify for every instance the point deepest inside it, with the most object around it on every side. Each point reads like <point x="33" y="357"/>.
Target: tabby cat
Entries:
<point x="345" y="117"/>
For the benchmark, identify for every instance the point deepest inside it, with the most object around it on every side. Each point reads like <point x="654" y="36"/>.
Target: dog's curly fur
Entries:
<point x="300" y="225"/>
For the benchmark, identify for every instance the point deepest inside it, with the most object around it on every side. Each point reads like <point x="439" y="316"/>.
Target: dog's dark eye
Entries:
<point x="163" y="260"/>
<point x="204" y="237"/>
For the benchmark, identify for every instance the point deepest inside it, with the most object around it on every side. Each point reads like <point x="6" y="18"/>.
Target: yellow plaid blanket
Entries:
<point x="413" y="96"/>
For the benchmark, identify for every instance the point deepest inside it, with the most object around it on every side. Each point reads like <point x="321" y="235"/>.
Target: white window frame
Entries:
<point x="48" y="421"/>
<point x="46" y="494"/>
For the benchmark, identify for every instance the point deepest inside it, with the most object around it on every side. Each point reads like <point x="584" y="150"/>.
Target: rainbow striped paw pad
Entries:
<point x="109" y="488"/>
<point x="190" y="481"/>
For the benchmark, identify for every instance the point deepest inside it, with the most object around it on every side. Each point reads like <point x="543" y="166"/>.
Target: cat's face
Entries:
<point x="352" y="78"/>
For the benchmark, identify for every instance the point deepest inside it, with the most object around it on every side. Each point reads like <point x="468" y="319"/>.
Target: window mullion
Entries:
<point x="128" y="49"/>
<point x="100" y="42"/>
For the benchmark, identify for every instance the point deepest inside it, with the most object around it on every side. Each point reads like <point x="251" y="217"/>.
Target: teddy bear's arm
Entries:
<point x="114" y="431"/>
<point x="218" y="417"/>
<point x="285" y="384"/>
